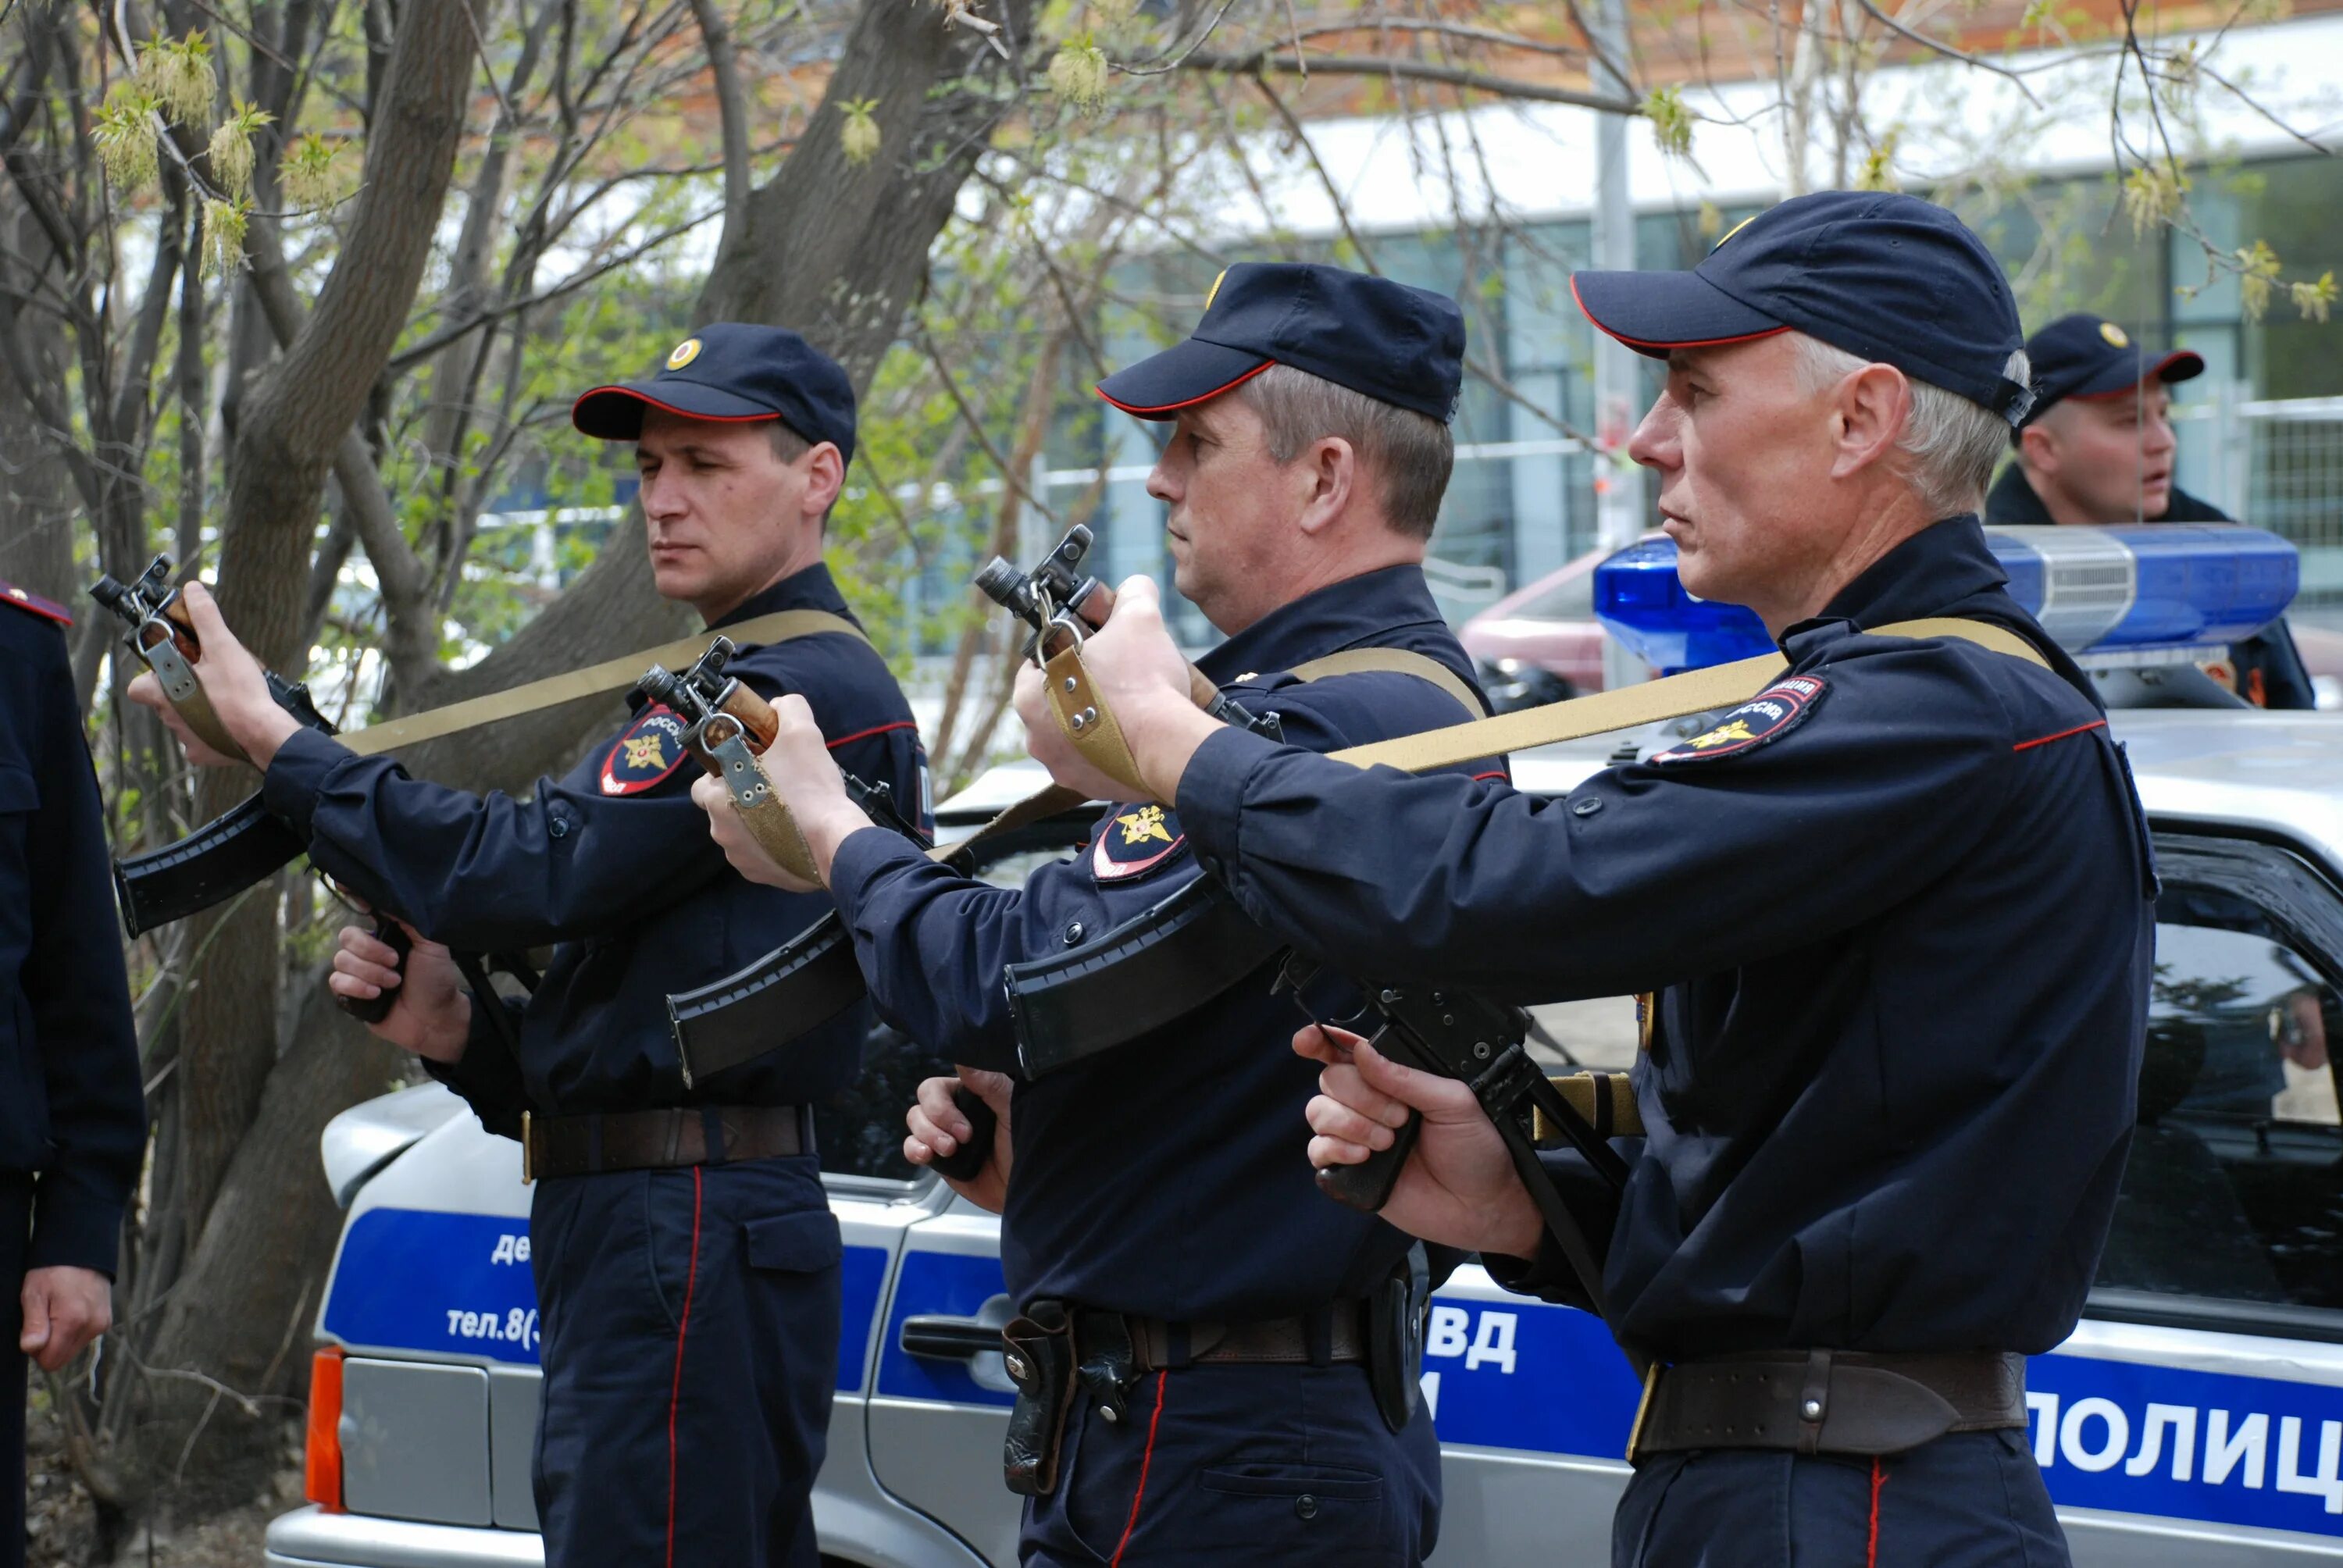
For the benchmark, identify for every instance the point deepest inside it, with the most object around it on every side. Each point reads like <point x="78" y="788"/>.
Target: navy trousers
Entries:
<point x="1972" y="1500"/>
<point x="689" y="1322"/>
<point x="16" y="1233"/>
<point x="1241" y="1464"/>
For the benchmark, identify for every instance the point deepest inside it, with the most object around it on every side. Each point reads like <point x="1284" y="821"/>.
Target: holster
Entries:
<point x="1040" y="1359"/>
<point x="1395" y="1323"/>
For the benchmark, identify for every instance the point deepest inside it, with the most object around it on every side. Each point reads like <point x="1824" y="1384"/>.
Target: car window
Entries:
<point x="2233" y="1190"/>
<point x="860" y="1132"/>
<point x="1573" y="598"/>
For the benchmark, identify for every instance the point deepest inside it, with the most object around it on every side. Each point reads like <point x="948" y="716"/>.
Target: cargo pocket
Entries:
<point x="803" y="1244"/>
<point x="1277" y="1512"/>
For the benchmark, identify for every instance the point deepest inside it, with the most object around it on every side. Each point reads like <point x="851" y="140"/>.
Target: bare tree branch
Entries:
<point x="1411" y="70"/>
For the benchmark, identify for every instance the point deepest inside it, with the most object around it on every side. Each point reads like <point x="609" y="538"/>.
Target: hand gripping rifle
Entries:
<point x="1480" y="1042"/>
<point x="811" y="978"/>
<point x="1063" y="604"/>
<point x="245" y="844"/>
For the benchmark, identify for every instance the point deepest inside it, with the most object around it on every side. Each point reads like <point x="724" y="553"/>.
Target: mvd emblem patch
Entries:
<point x="1767" y="716"/>
<point x="650" y="750"/>
<point x="1135" y="841"/>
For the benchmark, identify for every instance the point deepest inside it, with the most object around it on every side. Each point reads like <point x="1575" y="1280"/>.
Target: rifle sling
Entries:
<point x="245" y="844"/>
<point x="1075" y="1004"/>
<point x="594" y="680"/>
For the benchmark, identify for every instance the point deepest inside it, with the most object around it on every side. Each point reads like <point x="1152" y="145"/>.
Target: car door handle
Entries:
<point x="950" y="1338"/>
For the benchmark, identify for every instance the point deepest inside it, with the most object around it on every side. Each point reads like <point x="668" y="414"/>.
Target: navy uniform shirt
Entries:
<point x="2268" y="666"/>
<point x="70" y="1104"/>
<point x="1166" y="1177"/>
<point x="1902" y="918"/>
<point x="613" y="867"/>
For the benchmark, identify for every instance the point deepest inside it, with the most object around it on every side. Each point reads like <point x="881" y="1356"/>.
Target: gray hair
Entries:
<point x="1408" y="454"/>
<point x="1949" y="444"/>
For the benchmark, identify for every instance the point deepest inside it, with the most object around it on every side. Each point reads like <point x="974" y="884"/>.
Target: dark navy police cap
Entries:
<point x="2086" y="355"/>
<point x="734" y="372"/>
<point x="1399" y="344"/>
<point x="1888" y="278"/>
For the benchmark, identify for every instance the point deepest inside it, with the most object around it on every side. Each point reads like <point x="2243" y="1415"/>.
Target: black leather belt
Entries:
<point x="657" y="1140"/>
<point x="1337" y="1334"/>
<point x="1827" y="1401"/>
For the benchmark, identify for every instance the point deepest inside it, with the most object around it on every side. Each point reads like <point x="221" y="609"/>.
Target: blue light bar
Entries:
<point x="2159" y="593"/>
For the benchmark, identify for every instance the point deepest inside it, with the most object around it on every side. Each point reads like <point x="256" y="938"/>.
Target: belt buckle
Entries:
<point x="528" y="1140"/>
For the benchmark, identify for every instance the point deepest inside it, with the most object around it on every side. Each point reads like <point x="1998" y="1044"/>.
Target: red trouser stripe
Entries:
<point x="1878" y="1479"/>
<point x="1145" y="1458"/>
<point x="675" y="1393"/>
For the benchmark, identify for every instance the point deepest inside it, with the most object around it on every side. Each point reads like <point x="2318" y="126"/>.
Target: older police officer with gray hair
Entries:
<point x="1897" y="911"/>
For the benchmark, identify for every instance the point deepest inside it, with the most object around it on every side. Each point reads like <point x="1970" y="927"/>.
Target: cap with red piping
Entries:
<point x="1396" y="343"/>
<point x="1886" y="276"/>
<point x="732" y="371"/>
<point x="2086" y="356"/>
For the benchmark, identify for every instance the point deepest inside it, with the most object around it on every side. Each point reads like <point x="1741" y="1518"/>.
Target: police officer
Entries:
<point x="1214" y="1304"/>
<point x="73" y="1122"/>
<point x="2098" y="448"/>
<point x="1897" y="909"/>
<point x="686" y="1263"/>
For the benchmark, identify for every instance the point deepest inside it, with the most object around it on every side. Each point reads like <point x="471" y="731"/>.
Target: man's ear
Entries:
<point x="1873" y="403"/>
<point x="1329" y="468"/>
<point x="2038" y="449"/>
<point x="825" y="477"/>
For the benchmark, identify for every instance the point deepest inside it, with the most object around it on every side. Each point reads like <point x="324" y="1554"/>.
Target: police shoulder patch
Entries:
<point x="651" y="748"/>
<point x="1767" y="716"/>
<point x="1135" y="842"/>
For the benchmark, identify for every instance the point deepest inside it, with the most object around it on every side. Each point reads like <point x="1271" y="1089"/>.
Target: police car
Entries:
<point x="2196" y="1416"/>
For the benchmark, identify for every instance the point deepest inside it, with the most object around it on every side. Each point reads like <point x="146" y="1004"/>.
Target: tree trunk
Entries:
<point x="837" y="251"/>
<point x="36" y="495"/>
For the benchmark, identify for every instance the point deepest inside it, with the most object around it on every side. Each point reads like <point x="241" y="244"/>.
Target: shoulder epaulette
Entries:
<point x="47" y="610"/>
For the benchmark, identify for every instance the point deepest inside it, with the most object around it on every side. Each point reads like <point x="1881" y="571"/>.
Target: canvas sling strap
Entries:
<point x="245" y="844"/>
<point x="1625" y="707"/>
<point x="594" y="680"/>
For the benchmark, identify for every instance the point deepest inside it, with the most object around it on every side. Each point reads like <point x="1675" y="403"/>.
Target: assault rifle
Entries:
<point x="245" y="845"/>
<point x="811" y="978"/>
<point x="1482" y="1044"/>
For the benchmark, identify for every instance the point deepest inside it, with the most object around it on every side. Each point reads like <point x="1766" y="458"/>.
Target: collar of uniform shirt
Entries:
<point x="1940" y="564"/>
<point x="813" y="588"/>
<point x="1326" y="620"/>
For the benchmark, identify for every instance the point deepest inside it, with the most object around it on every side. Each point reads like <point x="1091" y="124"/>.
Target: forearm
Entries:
<point x="932" y="946"/>
<point x="487" y="874"/>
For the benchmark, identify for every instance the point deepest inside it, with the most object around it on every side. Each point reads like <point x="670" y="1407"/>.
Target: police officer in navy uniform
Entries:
<point x="72" y="1121"/>
<point x="1898" y="911"/>
<point x="2098" y="448"/>
<point x="1154" y="1192"/>
<point x="686" y="1263"/>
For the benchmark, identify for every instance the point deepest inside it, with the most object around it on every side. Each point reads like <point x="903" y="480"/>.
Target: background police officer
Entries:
<point x="685" y="1257"/>
<point x="1307" y="451"/>
<point x="1898" y="909"/>
<point x="2098" y="448"/>
<point x="73" y="1122"/>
